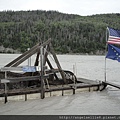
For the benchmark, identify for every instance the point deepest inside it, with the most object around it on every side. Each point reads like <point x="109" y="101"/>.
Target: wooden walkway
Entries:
<point x="112" y="84"/>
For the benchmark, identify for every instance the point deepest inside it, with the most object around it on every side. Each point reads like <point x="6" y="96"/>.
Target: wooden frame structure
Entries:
<point x="40" y="73"/>
<point x="42" y="50"/>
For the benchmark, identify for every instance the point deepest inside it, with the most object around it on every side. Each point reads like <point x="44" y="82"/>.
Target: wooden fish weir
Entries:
<point x="38" y="78"/>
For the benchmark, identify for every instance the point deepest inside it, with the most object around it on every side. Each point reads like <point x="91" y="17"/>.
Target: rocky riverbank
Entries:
<point x="8" y="50"/>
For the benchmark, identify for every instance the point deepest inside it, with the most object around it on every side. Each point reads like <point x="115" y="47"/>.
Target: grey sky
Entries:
<point x="81" y="7"/>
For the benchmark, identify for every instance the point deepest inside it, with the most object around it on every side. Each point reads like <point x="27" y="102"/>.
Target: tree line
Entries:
<point x="69" y="33"/>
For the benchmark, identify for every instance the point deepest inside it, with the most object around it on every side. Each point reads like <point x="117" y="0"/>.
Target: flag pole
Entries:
<point x="105" y="53"/>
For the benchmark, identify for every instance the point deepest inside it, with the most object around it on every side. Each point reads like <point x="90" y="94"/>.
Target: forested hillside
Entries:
<point x="69" y="33"/>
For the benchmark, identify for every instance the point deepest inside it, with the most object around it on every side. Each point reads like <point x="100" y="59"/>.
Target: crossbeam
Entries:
<point x="19" y="79"/>
<point x="11" y="69"/>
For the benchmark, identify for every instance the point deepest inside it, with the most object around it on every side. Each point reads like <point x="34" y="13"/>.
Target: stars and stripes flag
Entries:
<point x="114" y="36"/>
<point x="113" y="53"/>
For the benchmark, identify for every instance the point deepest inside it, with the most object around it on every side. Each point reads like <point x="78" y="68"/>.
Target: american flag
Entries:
<point x="114" y="36"/>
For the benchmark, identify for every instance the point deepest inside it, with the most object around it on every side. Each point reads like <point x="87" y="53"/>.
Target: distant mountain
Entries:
<point x="70" y="33"/>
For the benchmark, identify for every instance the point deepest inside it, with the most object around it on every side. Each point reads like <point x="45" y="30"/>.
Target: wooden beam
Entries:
<point x="27" y="54"/>
<point x="18" y="79"/>
<point x="46" y="49"/>
<point x="11" y="69"/>
<point x="52" y="68"/>
<point x="42" y="72"/>
<point x="37" y="59"/>
<point x="48" y="62"/>
<point x="57" y="63"/>
<point x="25" y="57"/>
<point x="21" y="56"/>
<point x="112" y="84"/>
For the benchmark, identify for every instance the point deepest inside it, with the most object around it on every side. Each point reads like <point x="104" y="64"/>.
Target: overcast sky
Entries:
<point x="81" y="7"/>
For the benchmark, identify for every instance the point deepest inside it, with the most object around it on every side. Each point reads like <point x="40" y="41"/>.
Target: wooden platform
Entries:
<point x="85" y="83"/>
<point x="45" y="77"/>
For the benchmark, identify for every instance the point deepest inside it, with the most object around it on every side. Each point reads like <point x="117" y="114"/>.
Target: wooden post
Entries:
<point x="25" y="97"/>
<point x="73" y="90"/>
<point x="89" y="89"/>
<point x="6" y="93"/>
<point x="62" y="92"/>
<point x="50" y="93"/>
<point x="47" y="84"/>
<point x="42" y="72"/>
<point x="99" y="86"/>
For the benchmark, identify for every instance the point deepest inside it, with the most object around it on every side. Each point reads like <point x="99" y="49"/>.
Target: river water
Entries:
<point x="92" y="67"/>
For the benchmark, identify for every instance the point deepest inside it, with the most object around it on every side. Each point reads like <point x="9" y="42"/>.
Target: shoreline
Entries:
<point x="4" y="50"/>
<point x="62" y="54"/>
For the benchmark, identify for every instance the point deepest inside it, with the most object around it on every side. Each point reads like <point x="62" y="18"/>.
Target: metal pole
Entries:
<point x="29" y="59"/>
<point x="105" y="70"/>
<point x="74" y="87"/>
<point x="105" y="54"/>
<point x="42" y="72"/>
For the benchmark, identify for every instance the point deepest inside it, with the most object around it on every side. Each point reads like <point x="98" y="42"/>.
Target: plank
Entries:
<point x="23" y="68"/>
<point x="52" y="68"/>
<point x="37" y="59"/>
<point x="26" y="55"/>
<point x="21" y="56"/>
<point x="28" y="78"/>
<point x="11" y="69"/>
<point x="112" y="84"/>
<point x="57" y="63"/>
